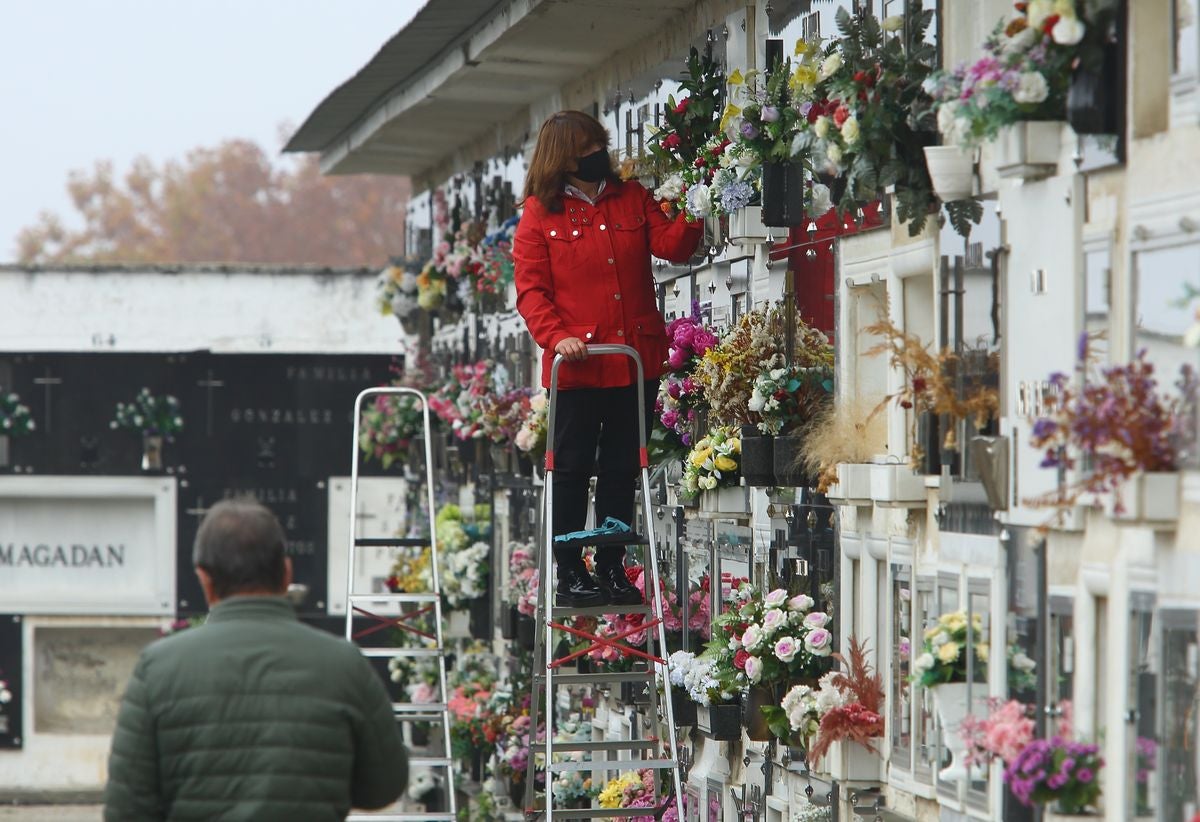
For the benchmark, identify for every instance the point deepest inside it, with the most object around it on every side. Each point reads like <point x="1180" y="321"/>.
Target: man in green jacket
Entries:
<point x="254" y="715"/>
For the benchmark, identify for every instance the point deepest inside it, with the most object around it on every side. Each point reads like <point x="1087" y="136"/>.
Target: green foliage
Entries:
<point x="691" y="121"/>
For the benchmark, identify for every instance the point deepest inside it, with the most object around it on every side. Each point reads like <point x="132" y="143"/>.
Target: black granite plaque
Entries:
<point x="11" y="658"/>
<point x="271" y="426"/>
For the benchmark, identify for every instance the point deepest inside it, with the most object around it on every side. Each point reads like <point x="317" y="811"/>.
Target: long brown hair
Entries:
<point x="560" y="142"/>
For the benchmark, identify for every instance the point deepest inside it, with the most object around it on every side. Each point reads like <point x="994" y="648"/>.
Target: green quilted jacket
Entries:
<point x="253" y="716"/>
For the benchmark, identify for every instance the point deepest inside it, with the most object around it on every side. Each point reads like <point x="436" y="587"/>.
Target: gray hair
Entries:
<point x="241" y="545"/>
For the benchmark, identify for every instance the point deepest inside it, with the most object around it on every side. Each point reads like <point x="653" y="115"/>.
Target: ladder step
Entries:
<point x="612" y="765"/>
<point x="391" y="542"/>
<point x="404" y="817"/>
<point x="418" y="707"/>
<point x="599" y="610"/>
<point x="394" y="597"/>
<point x="388" y="653"/>
<point x="597" y="679"/>
<point x="607" y="745"/>
<point x="430" y="761"/>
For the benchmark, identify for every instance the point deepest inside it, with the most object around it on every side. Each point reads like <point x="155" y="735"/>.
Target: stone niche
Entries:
<point x="80" y="675"/>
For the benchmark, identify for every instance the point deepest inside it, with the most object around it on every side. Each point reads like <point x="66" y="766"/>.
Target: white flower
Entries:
<point x="1022" y="662"/>
<point x="1068" y="31"/>
<point x="670" y="189"/>
<point x="828" y="698"/>
<point x="850" y="130"/>
<point x="773" y="619"/>
<point x="5" y="696"/>
<point x="699" y="201"/>
<point x="831" y="64"/>
<point x="1022" y="41"/>
<point x="1031" y="88"/>
<point x="1037" y="11"/>
<point x="939" y="639"/>
<point x="822" y="200"/>
<point x="751" y="637"/>
<point x="817" y="619"/>
<point x="821" y="127"/>
<point x="801" y="602"/>
<point x="776" y="598"/>
<point x="893" y="23"/>
<point x="786" y="648"/>
<point x="834" y="153"/>
<point x="754" y="669"/>
<point x="923" y="663"/>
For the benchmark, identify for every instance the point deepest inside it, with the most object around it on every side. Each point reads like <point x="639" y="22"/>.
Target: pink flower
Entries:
<point x="819" y="642"/>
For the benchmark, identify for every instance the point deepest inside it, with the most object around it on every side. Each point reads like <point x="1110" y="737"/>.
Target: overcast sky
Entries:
<point x="83" y="80"/>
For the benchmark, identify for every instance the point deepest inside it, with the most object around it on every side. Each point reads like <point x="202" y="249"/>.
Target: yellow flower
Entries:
<point x="735" y="445"/>
<point x="804" y="78"/>
<point x="981" y="652"/>
<point x="701" y="456"/>
<point x="930" y="633"/>
<point x="736" y="79"/>
<point x="802" y="48"/>
<point x="725" y="463"/>
<point x="730" y="112"/>
<point x="948" y="652"/>
<point x="610" y="797"/>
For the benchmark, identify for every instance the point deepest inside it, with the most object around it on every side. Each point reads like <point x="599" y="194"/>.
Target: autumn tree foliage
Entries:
<point x="230" y="204"/>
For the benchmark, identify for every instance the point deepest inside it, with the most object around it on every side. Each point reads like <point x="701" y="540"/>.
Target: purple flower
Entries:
<point x="1081" y="347"/>
<point x="749" y="130"/>
<point x="805" y="107"/>
<point x="770" y="114"/>
<point x="1044" y="428"/>
<point x="1085" y="775"/>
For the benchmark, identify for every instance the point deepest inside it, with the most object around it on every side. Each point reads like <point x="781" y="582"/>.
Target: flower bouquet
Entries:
<point x="391" y="423"/>
<point x="149" y="415"/>
<point x="15" y="418"/>
<point x="801" y="709"/>
<point x="680" y="399"/>
<point x="397" y="291"/>
<point x="1117" y="420"/>
<point x="859" y="718"/>
<point x="1002" y="734"/>
<point x="531" y="438"/>
<point x="1056" y="770"/>
<point x="712" y="462"/>
<point x="459" y="403"/>
<point x="503" y="414"/>
<point x="726" y="371"/>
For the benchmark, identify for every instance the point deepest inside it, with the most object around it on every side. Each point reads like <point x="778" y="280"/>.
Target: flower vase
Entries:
<point x="788" y="461"/>
<point x="950" y="700"/>
<point x="509" y="617"/>
<point x="760" y="696"/>
<point x="683" y="709"/>
<point x="746" y="227"/>
<point x="758" y="458"/>
<point x="480" y="615"/>
<point x="524" y="466"/>
<point x="730" y="501"/>
<point x="1093" y="105"/>
<point x="152" y="452"/>
<point x="721" y="723"/>
<point x="457" y="624"/>
<point x="1151" y="496"/>
<point x="501" y="459"/>
<point x="4" y="455"/>
<point x="782" y="194"/>
<point x="952" y="171"/>
<point x="1058" y="813"/>
<point x="410" y="322"/>
<point x="852" y="762"/>
<point x="516" y="792"/>
<point x="525" y="632"/>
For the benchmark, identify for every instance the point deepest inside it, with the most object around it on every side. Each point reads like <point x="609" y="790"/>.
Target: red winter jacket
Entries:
<point x="585" y="273"/>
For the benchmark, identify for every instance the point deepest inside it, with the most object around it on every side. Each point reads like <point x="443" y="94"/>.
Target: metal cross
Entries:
<point x="208" y="385"/>
<point x="48" y="382"/>
<point x="199" y="510"/>
<point x="747" y="809"/>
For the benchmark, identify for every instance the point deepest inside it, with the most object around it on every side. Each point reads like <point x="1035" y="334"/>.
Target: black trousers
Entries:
<point x="596" y="431"/>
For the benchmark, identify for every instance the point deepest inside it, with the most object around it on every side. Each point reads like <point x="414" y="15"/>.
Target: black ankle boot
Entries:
<point x="616" y="585"/>
<point x="577" y="589"/>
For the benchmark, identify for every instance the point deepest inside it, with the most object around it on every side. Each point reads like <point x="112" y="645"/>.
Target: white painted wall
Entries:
<point x="225" y="309"/>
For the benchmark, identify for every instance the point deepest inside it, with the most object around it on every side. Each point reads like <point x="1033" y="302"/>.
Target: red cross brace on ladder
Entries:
<point x="598" y="642"/>
<point x="388" y="622"/>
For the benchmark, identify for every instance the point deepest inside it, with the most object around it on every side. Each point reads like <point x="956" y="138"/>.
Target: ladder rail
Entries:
<point x="443" y="683"/>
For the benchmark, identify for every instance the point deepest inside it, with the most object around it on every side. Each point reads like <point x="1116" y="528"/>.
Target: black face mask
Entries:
<point x="594" y="167"/>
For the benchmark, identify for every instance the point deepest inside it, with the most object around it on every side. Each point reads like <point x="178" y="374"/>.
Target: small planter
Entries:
<point x="524" y="465"/>
<point x="1029" y="150"/>
<point x="746" y="226"/>
<point x="526" y="628"/>
<point x="851" y="762"/>
<point x="1093" y="105"/>
<point x="788" y="460"/>
<point x="4" y="456"/>
<point x="758" y="458"/>
<point x="760" y="696"/>
<point x="853" y="485"/>
<point x="508" y="622"/>
<point x="480" y="614"/>
<point x="782" y="194"/>
<point x="1052" y="814"/>
<point x="502" y="459"/>
<point x="682" y="708"/>
<point x="952" y="171"/>
<point x="896" y="486"/>
<point x="950" y="699"/>
<point x="1147" y="497"/>
<point x="458" y="624"/>
<point x="722" y="723"/>
<point x="732" y="500"/>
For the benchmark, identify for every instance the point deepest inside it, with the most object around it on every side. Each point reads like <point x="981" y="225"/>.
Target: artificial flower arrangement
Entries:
<point x="390" y="424"/>
<point x="433" y="279"/>
<point x="150" y="415"/>
<point x="686" y="134"/>
<point x="696" y="676"/>
<point x="15" y="418"/>
<point x="944" y="656"/>
<point x="726" y="371"/>
<point x="632" y="789"/>
<point x="842" y="432"/>
<point x="1056" y="770"/>
<point x="460" y="401"/>
<point x="503" y="414"/>
<point x="397" y="290"/>
<point x="1117" y="418"/>
<point x="802" y="707"/>
<point x="768" y="126"/>
<point x="680" y="400"/>
<point x="769" y="639"/>
<point x="490" y="268"/>
<point x="474" y="704"/>
<point x="869" y="117"/>
<point x="712" y="462"/>
<point x="1023" y="74"/>
<point x="464" y="550"/>
<point x="932" y="383"/>
<point x="860" y="716"/>
<point x="523" y="577"/>
<point x="787" y="397"/>
<point x="1002" y="734"/>
<point x="531" y="437"/>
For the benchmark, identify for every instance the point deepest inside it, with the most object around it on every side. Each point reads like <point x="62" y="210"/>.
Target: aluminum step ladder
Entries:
<point x="426" y="603"/>
<point x="638" y="754"/>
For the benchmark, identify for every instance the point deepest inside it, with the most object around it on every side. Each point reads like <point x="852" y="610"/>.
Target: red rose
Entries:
<point x="860" y="77"/>
<point x="682" y="105"/>
<point x="840" y="115"/>
<point x="701" y="161"/>
<point x="739" y="659"/>
<point x="671" y="141"/>
<point x="1048" y="25"/>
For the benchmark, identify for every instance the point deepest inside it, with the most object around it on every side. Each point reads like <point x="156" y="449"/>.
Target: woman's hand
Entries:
<point x="572" y="349"/>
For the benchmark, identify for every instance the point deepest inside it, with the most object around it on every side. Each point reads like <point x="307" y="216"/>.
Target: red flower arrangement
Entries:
<point x="861" y="720"/>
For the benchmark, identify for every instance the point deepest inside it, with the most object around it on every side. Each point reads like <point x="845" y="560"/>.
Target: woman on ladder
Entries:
<point x="582" y="253"/>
